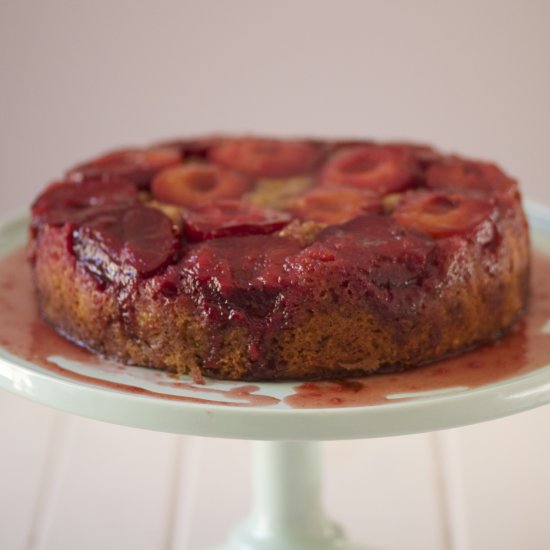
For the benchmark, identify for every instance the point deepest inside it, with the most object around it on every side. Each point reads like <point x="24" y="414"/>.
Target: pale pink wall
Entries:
<point x="76" y="77"/>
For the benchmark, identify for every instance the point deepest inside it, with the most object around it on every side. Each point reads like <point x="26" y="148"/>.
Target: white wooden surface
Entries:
<point x="68" y="483"/>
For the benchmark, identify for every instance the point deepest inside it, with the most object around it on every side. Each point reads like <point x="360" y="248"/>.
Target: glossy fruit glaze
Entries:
<point x="247" y="229"/>
<point x="525" y="349"/>
<point x="221" y="187"/>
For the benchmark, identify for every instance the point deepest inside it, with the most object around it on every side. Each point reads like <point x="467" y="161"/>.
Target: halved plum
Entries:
<point x="231" y="218"/>
<point x="453" y="173"/>
<point x="194" y="185"/>
<point x="441" y="214"/>
<point x="136" y="165"/>
<point x="334" y="205"/>
<point x="136" y="240"/>
<point x="379" y="169"/>
<point x="64" y="202"/>
<point x="267" y="158"/>
<point x="150" y="240"/>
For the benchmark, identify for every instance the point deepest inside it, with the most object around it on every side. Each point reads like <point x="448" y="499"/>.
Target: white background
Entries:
<point x="78" y="77"/>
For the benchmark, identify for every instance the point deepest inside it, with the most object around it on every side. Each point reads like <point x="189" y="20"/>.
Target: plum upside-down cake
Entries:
<point x="255" y="258"/>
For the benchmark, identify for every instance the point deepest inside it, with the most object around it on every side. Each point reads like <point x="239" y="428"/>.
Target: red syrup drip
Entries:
<point x="527" y="348"/>
<point x="27" y="336"/>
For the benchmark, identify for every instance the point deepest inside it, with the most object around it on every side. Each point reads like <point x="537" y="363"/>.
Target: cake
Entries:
<point x="252" y="258"/>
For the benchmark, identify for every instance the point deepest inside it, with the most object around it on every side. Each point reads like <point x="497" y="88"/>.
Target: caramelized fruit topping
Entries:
<point x="376" y="168"/>
<point x="269" y="192"/>
<point x="64" y="202"/>
<point x="441" y="214"/>
<point x="457" y="174"/>
<point x="334" y="205"/>
<point x="194" y="185"/>
<point x="368" y="250"/>
<point x="270" y="158"/>
<point x="136" y="165"/>
<point x="136" y="240"/>
<point x="231" y="218"/>
<point x="245" y="272"/>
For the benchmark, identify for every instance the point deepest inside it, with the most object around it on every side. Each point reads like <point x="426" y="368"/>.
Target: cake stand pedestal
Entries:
<point x="287" y="512"/>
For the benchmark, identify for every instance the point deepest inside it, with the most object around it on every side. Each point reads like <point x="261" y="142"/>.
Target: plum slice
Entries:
<point x="367" y="250"/>
<point x="64" y="202"/>
<point x="266" y="158"/>
<point x="376" y="168"/>
<point x="231" y="218"/>
<point x="136" y="240"/>
<point x="453" y="173"/>
<point x="194" y="185"/>
<point x="136" y="165"/>
<point x="441" y="214"/>
<point x="237" y="278"/>
<point x="334" y="205"/>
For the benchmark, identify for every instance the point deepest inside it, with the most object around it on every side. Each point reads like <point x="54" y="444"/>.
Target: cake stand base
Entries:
<point x="288" y="513"/>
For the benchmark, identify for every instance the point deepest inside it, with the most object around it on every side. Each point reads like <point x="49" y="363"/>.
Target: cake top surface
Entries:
<point x="214" y="199"/>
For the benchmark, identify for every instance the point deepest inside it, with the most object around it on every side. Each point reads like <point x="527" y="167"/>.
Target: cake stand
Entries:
<point x="287" y="512"/>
